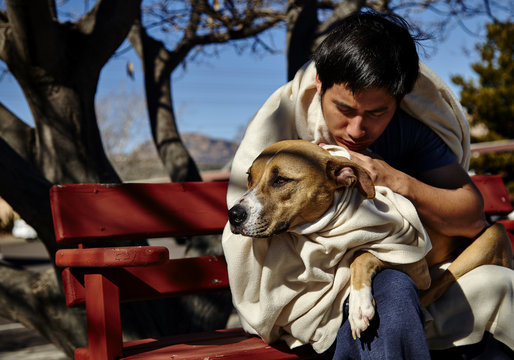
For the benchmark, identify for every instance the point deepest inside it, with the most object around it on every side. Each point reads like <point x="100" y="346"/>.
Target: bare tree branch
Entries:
<point x="106" y="26"/>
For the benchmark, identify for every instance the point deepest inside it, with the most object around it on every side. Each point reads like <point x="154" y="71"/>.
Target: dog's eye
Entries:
<point x="280" y="180"/>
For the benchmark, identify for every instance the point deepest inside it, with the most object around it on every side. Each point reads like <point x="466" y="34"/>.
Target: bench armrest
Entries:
<point x="112" y="256"/>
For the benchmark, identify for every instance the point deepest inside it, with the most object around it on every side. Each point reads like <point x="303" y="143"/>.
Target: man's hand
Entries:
<point x="445" y="198"/>
<point x="380" y="172"/>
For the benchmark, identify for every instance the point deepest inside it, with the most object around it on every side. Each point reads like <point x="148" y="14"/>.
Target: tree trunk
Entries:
<point x="57" y="66"/>
<point x="341" y="11"/>
<point x="68" y="146"/>
<point x="35" y="299"/>
<point x="158" y="64"/>
<point x="302" y="22"/>
<point x="17" y="134"/>
<point x="305" y="32"/>
<point x="197" y="312"/>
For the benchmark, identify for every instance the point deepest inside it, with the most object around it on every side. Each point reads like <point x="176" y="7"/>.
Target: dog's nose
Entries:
<point x="237" y="215"/>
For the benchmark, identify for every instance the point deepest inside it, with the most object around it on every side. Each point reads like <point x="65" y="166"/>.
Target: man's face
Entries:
<point x="356" y="120"/>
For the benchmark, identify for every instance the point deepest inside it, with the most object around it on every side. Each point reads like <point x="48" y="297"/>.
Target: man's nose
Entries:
<point x="356" y="128"/>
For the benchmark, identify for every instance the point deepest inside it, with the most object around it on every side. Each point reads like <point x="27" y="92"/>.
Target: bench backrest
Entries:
<point x="496" y="197"/>
<point x="101" y="212"/>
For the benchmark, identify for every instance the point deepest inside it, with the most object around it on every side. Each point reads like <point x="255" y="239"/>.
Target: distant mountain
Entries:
<point x="144" y="162"/>
<point x="209" y="152"/>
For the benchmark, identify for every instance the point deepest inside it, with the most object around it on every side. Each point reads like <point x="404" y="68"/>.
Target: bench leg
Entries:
<point x="103" y="318"/>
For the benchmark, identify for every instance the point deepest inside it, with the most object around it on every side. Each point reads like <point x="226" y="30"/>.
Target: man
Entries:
<point x="363" y="72"/>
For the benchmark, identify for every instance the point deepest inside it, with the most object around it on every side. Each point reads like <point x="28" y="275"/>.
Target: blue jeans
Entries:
<point x="396" y="332"/>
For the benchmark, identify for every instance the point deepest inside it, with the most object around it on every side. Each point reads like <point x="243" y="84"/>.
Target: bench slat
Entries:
<point x="102" y="212"/>
<point x="112" y="256"/>
<point x="174" y="278"/>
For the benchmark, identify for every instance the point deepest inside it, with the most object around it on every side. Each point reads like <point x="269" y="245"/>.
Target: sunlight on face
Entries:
<point x="356" y="120"/>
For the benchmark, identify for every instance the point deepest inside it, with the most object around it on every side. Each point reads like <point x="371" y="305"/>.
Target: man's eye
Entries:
<point x="377" y="114"/>
<point x="346" y="111"/>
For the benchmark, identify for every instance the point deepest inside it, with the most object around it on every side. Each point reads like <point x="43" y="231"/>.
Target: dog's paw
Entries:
<point x="361" y="310"/>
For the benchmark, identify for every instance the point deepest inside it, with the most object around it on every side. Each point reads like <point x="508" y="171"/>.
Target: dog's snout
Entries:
<point x="237" y="215"/>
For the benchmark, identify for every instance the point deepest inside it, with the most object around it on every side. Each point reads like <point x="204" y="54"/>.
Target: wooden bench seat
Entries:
<point x="99" y="277"/>
<point x="219" y="344"/>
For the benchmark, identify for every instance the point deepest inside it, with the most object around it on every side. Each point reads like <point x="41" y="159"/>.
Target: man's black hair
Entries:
<point x="369" y="50"/>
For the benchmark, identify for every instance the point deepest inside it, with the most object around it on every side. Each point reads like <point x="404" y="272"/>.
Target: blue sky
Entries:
<point x="219" y="95"/>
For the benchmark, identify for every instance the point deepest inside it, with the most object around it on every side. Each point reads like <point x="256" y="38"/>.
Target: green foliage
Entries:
<point x="490" y="101"/>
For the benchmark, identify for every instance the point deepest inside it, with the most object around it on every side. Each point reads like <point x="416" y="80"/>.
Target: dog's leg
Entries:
<point x="361" y="302"/>
<point x="491" y="247"/>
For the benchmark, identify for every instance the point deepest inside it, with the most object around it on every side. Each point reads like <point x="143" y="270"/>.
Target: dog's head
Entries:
<point x="292" y="183"/>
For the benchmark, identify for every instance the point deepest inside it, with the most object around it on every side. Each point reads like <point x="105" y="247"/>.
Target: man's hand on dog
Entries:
<point x="380" y="172"/>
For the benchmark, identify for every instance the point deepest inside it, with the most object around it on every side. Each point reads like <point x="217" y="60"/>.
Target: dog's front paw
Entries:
<point x="361" y="310"/>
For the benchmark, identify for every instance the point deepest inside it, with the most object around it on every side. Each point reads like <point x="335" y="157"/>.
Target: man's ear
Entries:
<point x="318" y="84"/>
<point x="347" y="173"/>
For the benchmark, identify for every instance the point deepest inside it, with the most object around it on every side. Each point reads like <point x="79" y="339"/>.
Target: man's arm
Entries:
<point x="446" y="199"/>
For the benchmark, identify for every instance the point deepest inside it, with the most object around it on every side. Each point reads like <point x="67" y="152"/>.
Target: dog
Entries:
<point x="293" y="183"/>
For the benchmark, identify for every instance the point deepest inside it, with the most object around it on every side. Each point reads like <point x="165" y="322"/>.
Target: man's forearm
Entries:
<point x="446" y="199"/>
<point x="452" y="212"/>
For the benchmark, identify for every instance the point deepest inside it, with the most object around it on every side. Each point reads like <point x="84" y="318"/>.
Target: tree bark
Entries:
<point x="191" y="313"/>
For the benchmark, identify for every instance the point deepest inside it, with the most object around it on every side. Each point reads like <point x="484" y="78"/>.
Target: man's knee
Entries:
<point x="396" y="296"/>
<point x="394" y="284"/>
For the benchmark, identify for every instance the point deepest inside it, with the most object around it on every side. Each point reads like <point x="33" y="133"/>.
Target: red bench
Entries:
<point x="496" y="201"/>
<point x="100" y="278"/>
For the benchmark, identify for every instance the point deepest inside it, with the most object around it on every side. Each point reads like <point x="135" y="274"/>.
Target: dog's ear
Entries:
<point x="348" y="173"/>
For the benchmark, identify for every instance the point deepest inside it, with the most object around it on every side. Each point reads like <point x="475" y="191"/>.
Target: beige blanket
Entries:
<point x="292" y="286"/>
<point x="271" y="308"/>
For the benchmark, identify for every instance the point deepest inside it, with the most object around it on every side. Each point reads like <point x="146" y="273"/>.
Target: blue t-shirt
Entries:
<point x="412" y="147"/>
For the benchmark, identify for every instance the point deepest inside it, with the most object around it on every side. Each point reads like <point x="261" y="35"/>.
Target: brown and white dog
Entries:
<point x="293" y="183"/>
